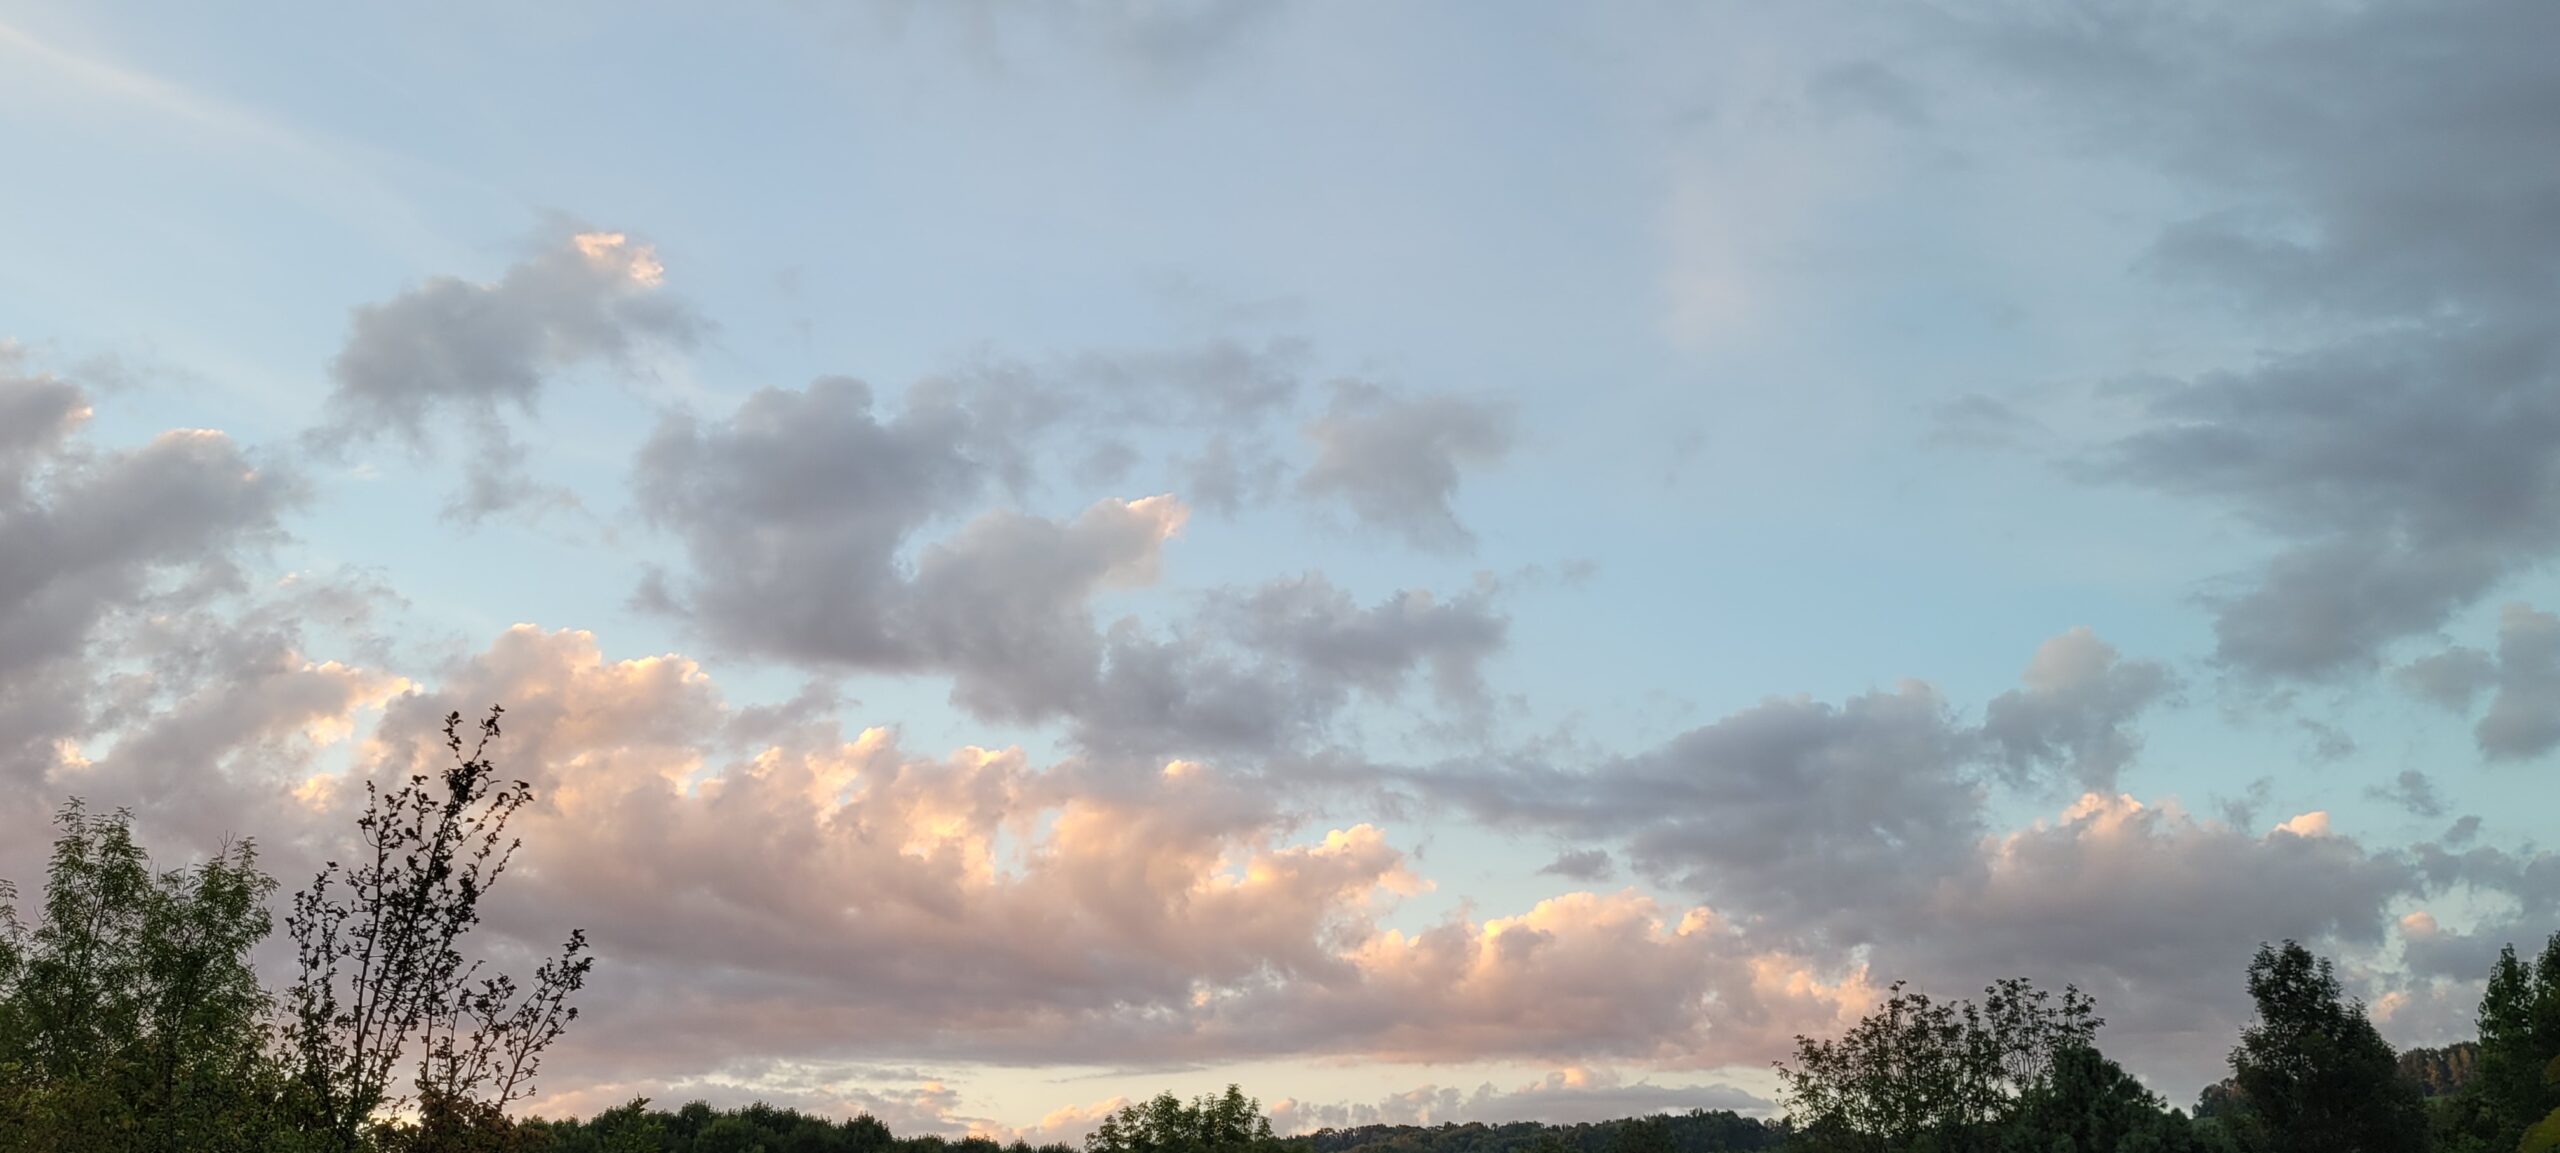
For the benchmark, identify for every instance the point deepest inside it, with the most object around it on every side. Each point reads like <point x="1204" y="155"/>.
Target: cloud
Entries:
<point x="1807" y="813"/>
<point x="2403" y="451"/>
<point x="2411" y="790"/>
<point x="2155" y="912"/>
<point x="2523" y="719"/>
<point x="94" y="540"/>
<point x="1864" y="826"/>
<point x="1003" y="602"/>
<point x="2074" y="716"/>
<point x="810" y="897"/>
<point x="142" y="664"/>
<point x="1397" y="461"/>
<point x="796" y="514"/>
<point x="1565" y="1096"/>
<point x="453" y="349"/>
<point x="1578" y="976"/>
<point x="803" y="517"/>
<point x="1325" y="634"/>
<point x="1271" y="669"/>
<point x="1585" y="865"/>
<point x="2452" y="679"/>
<point x="1222" y="393"/>
<point x="2405" y="505"/>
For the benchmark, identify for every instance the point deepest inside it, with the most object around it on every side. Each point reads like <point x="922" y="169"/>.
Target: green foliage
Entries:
<point x="1226" y="1123"/>
<point x="2544" y="1135"/>
<point x="2313" y="1074"/>
<point x="2441" y="1072"/>
<point x="2512" y="1102"/>
<point x="1696" y="1131"/>
<point x="130" y="1017"/>
<point x="2089" y="1104"/>
<point x="1918" y="1072"/>
<point x="757" y="1128"/>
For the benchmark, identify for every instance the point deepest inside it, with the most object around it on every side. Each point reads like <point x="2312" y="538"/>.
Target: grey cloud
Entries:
<point x="454" y="349"/>
<point x="1327" y="634"/>
<point x="139" y="665"/>
<point x="1396" y="462"/>
<point x="1225" y="391"/>
<point x="2328" y="742"/>
<point x="1561" y="1098"/>
<point x="1863" y="824"/>
<point x="1585" y="865"/>
<point x="1226" y="476"/>
<point x="2412" y="478"/>
<point x="794" y="510"/>
<point x="1830" y="820"/>
<point x="2408" y="459"/>
<point x="1812" y="814"/>
<point x="2155" y="913"/>
<point x="1269" y="668"/>
<point x="2429" y="951"/>
<point x="1003" y="603"/>
<point x="85" y="534"/>
<point x="800" y="512"/>
<point x="2453" y="679"/>
<point x="2523" y="719"/>
<point x="2411" y="790"/>
<point x="2074" y="716"/>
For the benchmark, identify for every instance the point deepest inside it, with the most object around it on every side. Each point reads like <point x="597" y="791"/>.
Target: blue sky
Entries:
<point x="2010" y="406"/>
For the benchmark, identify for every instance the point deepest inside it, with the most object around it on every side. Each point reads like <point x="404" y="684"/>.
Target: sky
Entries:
<point x="1438" y="561"/>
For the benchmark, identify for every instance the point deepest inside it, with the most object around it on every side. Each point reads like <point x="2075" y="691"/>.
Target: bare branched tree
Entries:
<point x="381" y="971"/>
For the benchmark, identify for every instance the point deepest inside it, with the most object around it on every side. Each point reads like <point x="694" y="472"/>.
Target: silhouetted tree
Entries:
<point x="2089" y="1104"/>
<point x="1227" y="1123"/>
<point x="2516" y="1084"/>
<point x="2313" y="1074"/>
<point x="382" y="976"/>
<point x="1918" y="1073"/>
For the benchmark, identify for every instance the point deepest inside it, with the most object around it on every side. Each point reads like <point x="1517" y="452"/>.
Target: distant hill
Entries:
<point x="1696" y="1131"/>
<point x="2441" y="1072"/>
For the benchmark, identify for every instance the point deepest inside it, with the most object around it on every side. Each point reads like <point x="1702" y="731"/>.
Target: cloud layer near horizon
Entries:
<point x="770" y="887"/>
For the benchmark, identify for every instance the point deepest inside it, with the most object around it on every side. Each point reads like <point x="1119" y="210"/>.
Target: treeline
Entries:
<point x="1226" y="1123"/>
<point x="1696" y="1131"/>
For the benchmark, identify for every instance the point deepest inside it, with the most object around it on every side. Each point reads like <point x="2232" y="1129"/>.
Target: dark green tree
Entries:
<point x="2089" y="1104"/>
<point x="2313" y="1074"/>
<point x="2514" y="1088"/>
<point x="1226" y="1123"/>
<point x="130" y="1018"/>
<point x="1643" y="1135"/>
<point x="1918" y="1073"/>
